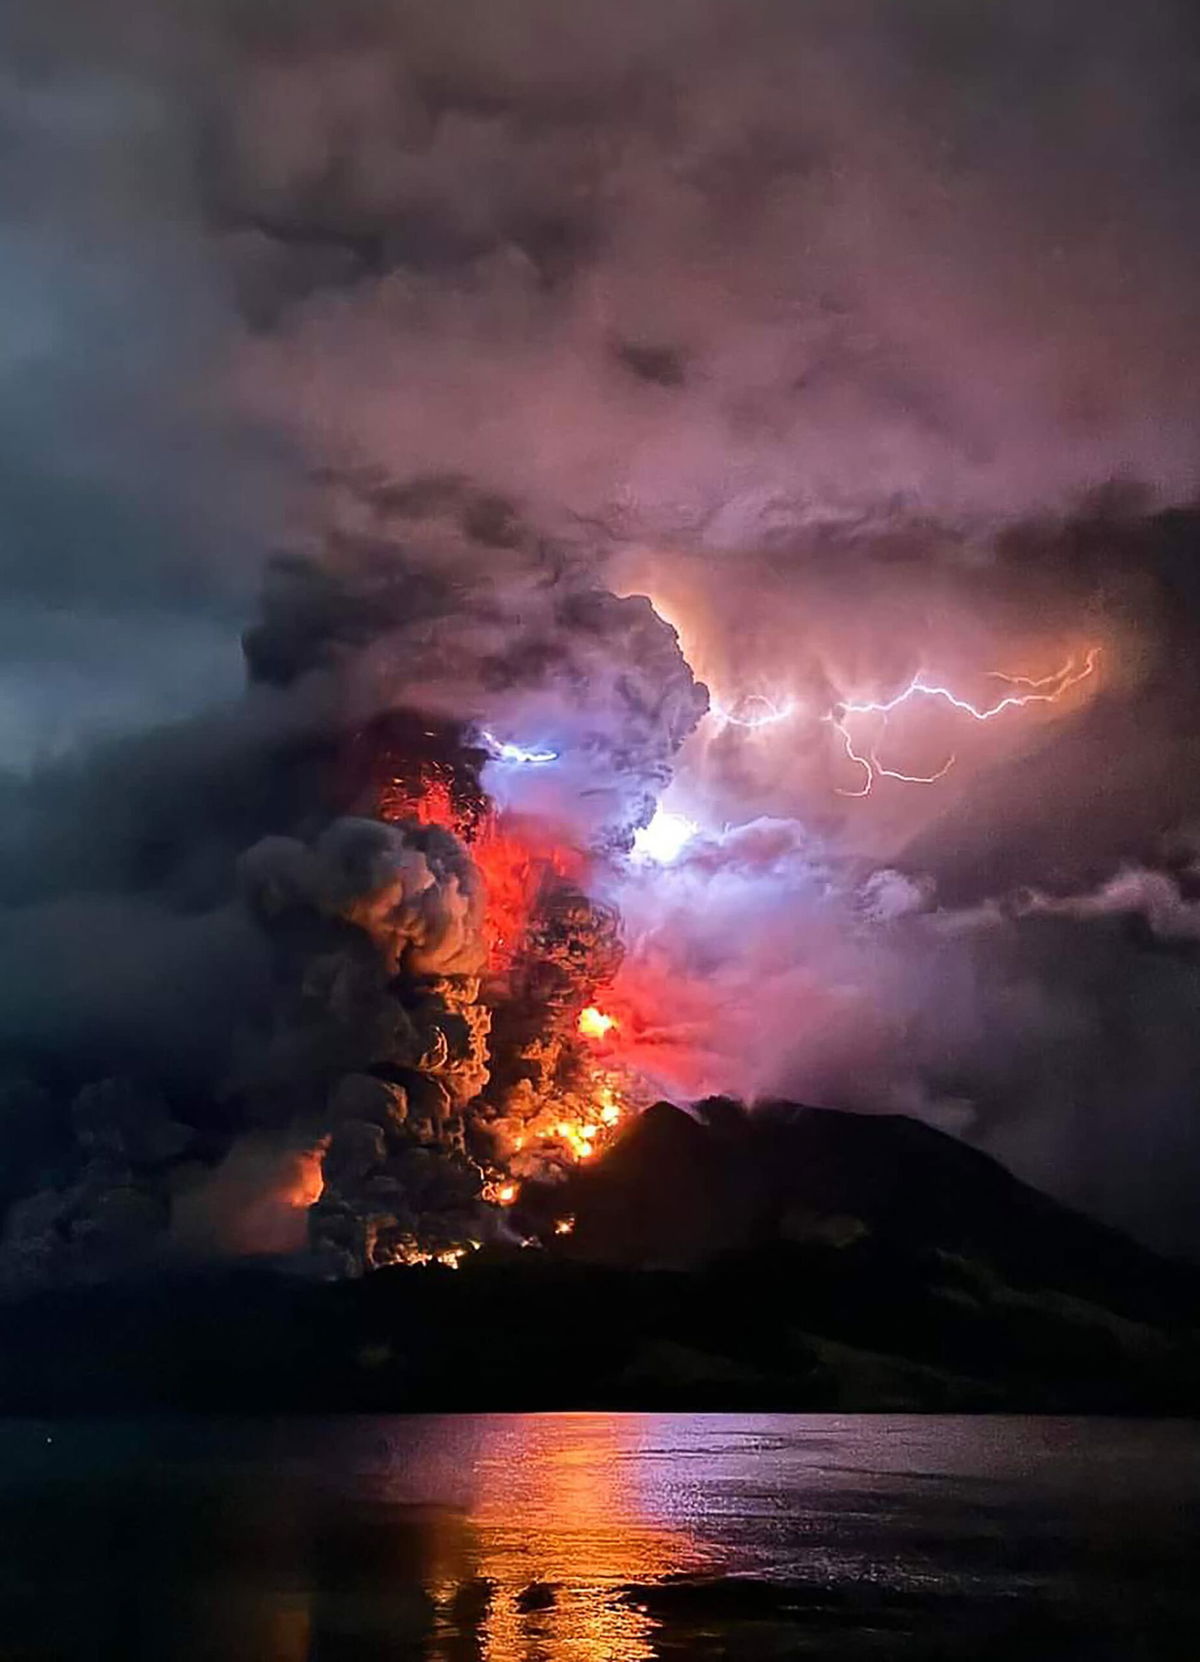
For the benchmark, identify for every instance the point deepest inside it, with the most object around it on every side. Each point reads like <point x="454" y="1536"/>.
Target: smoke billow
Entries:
<point x="350" y="1095"/>
<point x="440" y="597"/>
<point x="857" y="340"/>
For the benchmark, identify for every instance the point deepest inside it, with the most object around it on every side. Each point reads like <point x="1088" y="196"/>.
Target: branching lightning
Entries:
<point x="1047" y="689"/>
<point x="873" y="768"/>
<point x="1059" y="682"/>
<point x="757" y="710"/>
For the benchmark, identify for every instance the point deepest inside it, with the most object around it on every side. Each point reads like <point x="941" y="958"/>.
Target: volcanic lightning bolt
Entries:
<point x="754" y="711"/>
<point x="504" y="750"/>
<point x="873" y="768"/>
<point x="1047" y="689"/>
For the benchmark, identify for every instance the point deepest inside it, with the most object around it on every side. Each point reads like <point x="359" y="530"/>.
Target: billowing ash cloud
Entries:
<point x="436" y="596"/>
<point x="304" y="988"/>
<point x="860" y="337"/>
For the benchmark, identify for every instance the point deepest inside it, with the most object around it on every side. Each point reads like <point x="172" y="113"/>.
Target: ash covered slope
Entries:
<point x="801" y="1260"/>
<point x="787" y="1177"/>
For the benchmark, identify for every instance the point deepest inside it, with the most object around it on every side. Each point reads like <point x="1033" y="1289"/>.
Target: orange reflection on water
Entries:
<point x="503" y="1538"/>
<point x="553" y="1529"/>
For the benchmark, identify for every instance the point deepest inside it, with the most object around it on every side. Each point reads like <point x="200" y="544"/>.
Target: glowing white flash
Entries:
<point x="664" y="838"/>
<point x="756" y="710"/>
<point x="502" y="750"/>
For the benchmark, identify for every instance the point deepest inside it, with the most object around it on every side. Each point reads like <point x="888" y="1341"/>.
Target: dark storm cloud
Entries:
<point x="110" y="983"/>
<point x="132" y="499"/>
<point x="828" y="317"/>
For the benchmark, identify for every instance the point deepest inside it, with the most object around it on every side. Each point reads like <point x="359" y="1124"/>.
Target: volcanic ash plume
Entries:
<point x="377" y="1040"/>
<point x="456" y="732"/>
<point x="434" y="599"/>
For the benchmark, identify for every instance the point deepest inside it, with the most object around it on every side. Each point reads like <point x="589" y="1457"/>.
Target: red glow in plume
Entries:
<point x="516" y="858"/>
<point x="515" y="855"/>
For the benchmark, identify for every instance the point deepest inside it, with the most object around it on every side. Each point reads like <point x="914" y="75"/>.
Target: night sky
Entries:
<point x="862" y="338"/>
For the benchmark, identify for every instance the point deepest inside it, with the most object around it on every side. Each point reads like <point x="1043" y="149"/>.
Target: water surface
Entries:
<point x="599" y="1538"/>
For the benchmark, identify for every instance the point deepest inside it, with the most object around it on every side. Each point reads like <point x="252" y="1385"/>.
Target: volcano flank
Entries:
<point x="797" y="1259"/>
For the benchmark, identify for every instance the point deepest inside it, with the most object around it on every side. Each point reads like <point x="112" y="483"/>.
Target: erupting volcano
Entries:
<point x="499" y="905"/>
<point x="499" y="965"/>
<point x="443" y="944"/>
<point x="549" y="1100"/>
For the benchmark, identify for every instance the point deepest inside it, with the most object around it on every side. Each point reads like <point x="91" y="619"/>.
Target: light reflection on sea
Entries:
<point x="563" y="1538"/>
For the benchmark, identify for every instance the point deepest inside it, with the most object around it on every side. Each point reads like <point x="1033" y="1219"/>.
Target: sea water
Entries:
<point x="599" y="1538"/>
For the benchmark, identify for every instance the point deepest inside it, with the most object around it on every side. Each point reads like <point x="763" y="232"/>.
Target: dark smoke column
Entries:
<point x="365" y="1093"/>
<point x="378" y="1038"/>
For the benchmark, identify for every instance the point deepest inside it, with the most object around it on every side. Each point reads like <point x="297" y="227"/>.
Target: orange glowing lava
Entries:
<point x="517" y="858"/>
<point x="572" y="1127"/>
